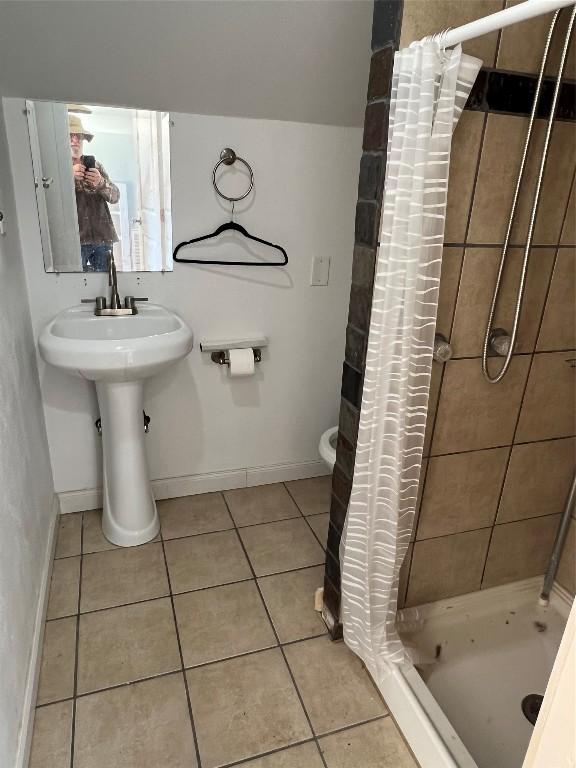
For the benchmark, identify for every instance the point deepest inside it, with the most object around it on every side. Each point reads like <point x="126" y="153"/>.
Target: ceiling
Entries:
<point x="296" y="60"/>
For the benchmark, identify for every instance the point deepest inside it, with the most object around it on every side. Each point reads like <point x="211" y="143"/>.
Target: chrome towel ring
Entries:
<point x="229" y="157"/>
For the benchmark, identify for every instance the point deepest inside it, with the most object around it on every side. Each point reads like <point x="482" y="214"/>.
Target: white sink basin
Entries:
<point x="118" y="354"/>
<point x="120" y="348"/>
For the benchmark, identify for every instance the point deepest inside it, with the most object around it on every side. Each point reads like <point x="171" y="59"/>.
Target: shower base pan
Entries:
<point x="477" y="657"/>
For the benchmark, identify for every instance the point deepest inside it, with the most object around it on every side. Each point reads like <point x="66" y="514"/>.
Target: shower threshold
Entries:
<point x="476" y="658"/>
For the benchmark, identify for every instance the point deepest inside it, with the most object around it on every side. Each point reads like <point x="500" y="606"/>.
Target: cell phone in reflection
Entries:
<point x="88" y="161"/>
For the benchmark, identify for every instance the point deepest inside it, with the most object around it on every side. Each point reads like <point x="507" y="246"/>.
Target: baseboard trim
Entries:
<point x="189" y="485"/>
<point x="27" y="723"/>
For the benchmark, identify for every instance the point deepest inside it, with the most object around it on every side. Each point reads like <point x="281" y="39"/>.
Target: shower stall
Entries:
<point x="462" y="494"/>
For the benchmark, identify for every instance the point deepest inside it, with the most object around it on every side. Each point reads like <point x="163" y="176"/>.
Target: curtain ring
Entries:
<point x="229" y="157"/>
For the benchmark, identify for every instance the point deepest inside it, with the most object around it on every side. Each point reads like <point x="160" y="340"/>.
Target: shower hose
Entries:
<point x="502" y="343"/>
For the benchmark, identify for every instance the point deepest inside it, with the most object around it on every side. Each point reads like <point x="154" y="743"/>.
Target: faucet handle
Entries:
<point x="100" y="302"/>
<point x="130" y="301"/>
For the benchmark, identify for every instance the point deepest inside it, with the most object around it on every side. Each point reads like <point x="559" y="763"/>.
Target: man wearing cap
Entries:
<point x="94" y="191"/>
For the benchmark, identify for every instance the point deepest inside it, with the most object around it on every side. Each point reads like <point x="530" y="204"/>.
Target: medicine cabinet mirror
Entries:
<point x="102" y="179"/>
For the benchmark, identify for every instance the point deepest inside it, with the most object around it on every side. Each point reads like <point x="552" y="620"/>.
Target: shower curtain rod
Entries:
<point x="501" y="19"/>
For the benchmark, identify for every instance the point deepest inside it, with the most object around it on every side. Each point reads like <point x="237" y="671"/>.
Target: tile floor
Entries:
<point x="202" y="649"/>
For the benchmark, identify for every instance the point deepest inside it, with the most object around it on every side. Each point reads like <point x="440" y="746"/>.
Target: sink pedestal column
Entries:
<point x="129" y="514"/>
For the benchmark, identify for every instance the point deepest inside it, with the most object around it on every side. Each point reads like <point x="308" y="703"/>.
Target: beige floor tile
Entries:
<point x="222" y="622"/>
<point x="558" y="329"/>
<point x="473" y="414"/>
<point x="282" y="546"/>
<point x="120" y="645"/>
<point x="538" y="479"/>
<point x="548" y="409"/>
<point x="58" y="660"/>
<point x="462" y="492"/>
<point x="69" y="538"/>
<point x="191" y="515"/>
<point x="245" y="706"/>
<point x="333" y="683"/>
<point x="144" y="725"/>
<point x="520" y="550"/>
<point x="312" y="494"/>
<point x="302" y="756"/>
<point x="372" y="745"/>
<point x="64" y="587"/>
<point x="206" y="561"/>
<point x="260" y="504"/>
<point x="93" y="539"/>
<point x="121" y="576"/>
<point x="475" y="295"/>
<point x="319" y="524"/>
<point x="447" y="566"/>
<point x="52" y="736"/>
<point x="290" y="599"/>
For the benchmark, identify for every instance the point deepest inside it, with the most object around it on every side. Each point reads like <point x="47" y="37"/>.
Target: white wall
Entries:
<point x="25" y="478"/>
<point x="202" y="422"/>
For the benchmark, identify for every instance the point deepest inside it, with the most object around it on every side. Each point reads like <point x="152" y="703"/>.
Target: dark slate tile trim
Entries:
<point x="512" y="93"/>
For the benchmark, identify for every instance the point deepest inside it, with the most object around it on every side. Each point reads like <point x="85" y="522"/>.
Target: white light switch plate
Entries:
<point x="320" y="270"/>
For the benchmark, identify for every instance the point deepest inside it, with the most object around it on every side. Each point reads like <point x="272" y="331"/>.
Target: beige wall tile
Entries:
<point x="434" y="395"/>
<point x="58" y="660"/>
<point x="404" y="574"/>
<point x="522" y="45"/>
<point x="447" y="566"/>
<point x="566" y="575"/>
<point x="451" y="266"/>
<point x="475" y="297"/>
<point x="462" y="492"/>
<point x="144" y="725"/>
<point x="548" y="408"/>
<point x="473" y="414"/>
<point x="537" y="480"/>
<point x="558" y="329"/>
<point x="422" y="17"/>
<point x="463" y="160"/>
<point x="52" y="736"/>
<point x="569" y="228"/>
<point x="333" y="683"/>
<point x="121" y="645"/>
<point x="520" y="550"/>
<point x="255" y="693"/>
<point x="372" y="745"/>
<point x="501" y="154"/>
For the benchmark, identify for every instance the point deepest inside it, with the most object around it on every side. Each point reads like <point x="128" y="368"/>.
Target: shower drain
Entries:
<point x="531" y="706"/>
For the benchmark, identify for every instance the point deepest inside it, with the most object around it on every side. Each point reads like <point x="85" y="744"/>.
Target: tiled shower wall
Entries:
<point x="498" y="458"/>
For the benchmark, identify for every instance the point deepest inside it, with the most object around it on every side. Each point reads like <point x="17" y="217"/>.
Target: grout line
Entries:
<point x="279" y="644"/>
<point x="77" y="648"/>
<point x="537" y="247"/>
<point x="182" y="668"/>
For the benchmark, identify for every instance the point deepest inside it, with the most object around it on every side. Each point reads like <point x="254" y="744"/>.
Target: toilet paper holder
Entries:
<point x="222" y="358"/>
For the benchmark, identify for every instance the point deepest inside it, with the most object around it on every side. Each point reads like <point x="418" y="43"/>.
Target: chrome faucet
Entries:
<point x="113" y="282"/>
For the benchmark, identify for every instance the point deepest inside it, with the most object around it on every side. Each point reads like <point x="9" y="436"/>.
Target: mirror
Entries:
<point x="102" y="178"/>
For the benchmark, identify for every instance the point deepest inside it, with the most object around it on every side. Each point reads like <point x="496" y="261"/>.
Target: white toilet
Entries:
<point x="327" y="446"/>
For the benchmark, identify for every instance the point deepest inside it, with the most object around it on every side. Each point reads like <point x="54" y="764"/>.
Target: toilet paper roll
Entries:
<point x="241" y="362"/>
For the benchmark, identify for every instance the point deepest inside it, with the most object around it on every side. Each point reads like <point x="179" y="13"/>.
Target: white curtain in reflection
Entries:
<point x="429" y="90"/>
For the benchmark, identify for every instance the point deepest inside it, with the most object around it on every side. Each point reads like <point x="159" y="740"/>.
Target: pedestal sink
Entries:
<point x="118" y="354"/>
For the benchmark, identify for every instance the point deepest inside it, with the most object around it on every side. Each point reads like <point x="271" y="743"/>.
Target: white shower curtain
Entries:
<point x="429" y="90"/>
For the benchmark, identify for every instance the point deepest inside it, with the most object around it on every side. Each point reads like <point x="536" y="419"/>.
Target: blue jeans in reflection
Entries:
<point x="95" y="257"/>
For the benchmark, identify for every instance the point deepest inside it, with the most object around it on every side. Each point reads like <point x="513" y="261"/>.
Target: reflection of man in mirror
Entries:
<point x="94" y="191"/>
